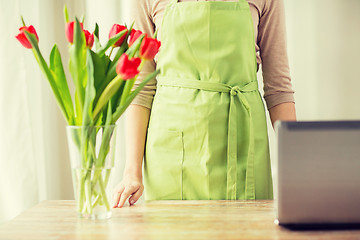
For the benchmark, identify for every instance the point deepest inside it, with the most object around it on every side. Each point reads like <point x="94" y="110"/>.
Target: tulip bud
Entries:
<point x="89" y="37"/>
<point x="134" y="35"/>
<point x="149" y="48"/>
<point x="116" y="28"/>
<point x="22" y="37"/>
<point x="69" y="31"/>
<point x="128" y="68"/>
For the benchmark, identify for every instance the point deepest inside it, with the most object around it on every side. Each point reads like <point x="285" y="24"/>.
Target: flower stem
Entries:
<point x="80" y="192"/>
<point x="23" y="22"/>
<point x="112" y="48"/>
<point x="141" y="64"/>
<point x="103" y="193"/>
<point x="88" y="195"/>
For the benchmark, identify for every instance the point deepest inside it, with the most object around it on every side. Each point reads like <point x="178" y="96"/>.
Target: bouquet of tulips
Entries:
<point x="103" y="90"/>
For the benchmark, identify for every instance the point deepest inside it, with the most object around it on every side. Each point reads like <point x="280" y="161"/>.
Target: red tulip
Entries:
<point x="149" y="48"/>
<point x="128" y="68"/>
<point x="69" y="31"/>
<point x="116" y="28"/>
<point x="134" y="35"/>
<point x="22" y="37"/>
<point x="89" y="37"/>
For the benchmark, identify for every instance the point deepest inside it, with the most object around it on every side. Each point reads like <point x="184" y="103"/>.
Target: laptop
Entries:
<point x="317" y="179"/>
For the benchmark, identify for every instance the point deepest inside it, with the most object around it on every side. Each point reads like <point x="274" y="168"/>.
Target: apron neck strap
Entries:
<point x="175" y="1"/>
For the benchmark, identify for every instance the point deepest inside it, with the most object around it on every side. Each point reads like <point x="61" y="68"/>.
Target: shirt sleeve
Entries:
<point x="273" y="52"/>
<point x="140" y="14"/>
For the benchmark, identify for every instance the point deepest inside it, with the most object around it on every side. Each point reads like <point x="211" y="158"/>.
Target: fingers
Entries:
<point x="126" y="189"/>
<point x="126" y="193"/>
<point x="117" y="193"/>
<point x="133" y="199"/>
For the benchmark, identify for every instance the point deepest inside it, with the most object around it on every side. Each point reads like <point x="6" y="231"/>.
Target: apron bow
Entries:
<point x="235" y="91"/>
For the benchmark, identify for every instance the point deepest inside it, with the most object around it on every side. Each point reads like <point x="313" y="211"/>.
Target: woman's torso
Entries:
<point x="270" y="43"/>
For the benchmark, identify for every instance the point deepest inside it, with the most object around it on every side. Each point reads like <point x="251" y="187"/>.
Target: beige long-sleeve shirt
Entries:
<point x="270" y="42"/>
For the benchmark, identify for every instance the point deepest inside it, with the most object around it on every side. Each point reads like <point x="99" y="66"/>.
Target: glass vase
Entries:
<point x="91" y="150"/>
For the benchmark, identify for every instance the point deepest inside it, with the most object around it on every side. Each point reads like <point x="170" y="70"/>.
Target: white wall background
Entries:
<point x="323" y="39"/>
<point x="323" y="36"/>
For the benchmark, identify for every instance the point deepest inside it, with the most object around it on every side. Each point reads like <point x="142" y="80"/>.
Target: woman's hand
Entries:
<point x="131" y="185"/>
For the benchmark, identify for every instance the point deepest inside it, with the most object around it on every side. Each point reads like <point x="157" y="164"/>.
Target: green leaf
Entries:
<point x="116" y="98"/>
<point x="89" y="93"/>
<point x="96" y="30"/>
<point x="57" y="70"/>
<point x="109" y="114"/>
<point x="78" y="109"/>
<point x="47" y="72"/>
<point x="121" y="108"/>
<point x="77" y="67"/>
<point x="132" y="25"/>
<point x="100" y="67"/>
<point x="111" y="42"/>
<point x="66" y="14"/>
<point x="97" y="43"/>
<point x="109" y="91"/>
<point x="127" y="89"/>
<point x="96" y="37"/>
<point x="103" y="114"/>
<point x="111" y="73"/>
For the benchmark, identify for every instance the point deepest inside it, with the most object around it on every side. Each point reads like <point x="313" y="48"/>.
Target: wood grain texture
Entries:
<point x="160" y="220"/>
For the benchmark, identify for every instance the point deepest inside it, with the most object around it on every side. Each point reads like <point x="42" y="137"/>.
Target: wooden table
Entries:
<point x="161" y="220"/>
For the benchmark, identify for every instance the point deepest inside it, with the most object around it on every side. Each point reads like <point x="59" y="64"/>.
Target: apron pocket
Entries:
<point x="163" y="164"/>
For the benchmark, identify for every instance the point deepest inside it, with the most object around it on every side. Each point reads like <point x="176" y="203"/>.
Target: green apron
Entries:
<point x="207" y="136"/>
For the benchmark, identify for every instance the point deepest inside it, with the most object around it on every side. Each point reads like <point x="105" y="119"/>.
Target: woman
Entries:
<point x="207" y="136"/>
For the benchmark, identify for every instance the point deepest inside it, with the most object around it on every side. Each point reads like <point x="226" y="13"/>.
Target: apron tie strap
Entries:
<point x="235" y="92"/>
